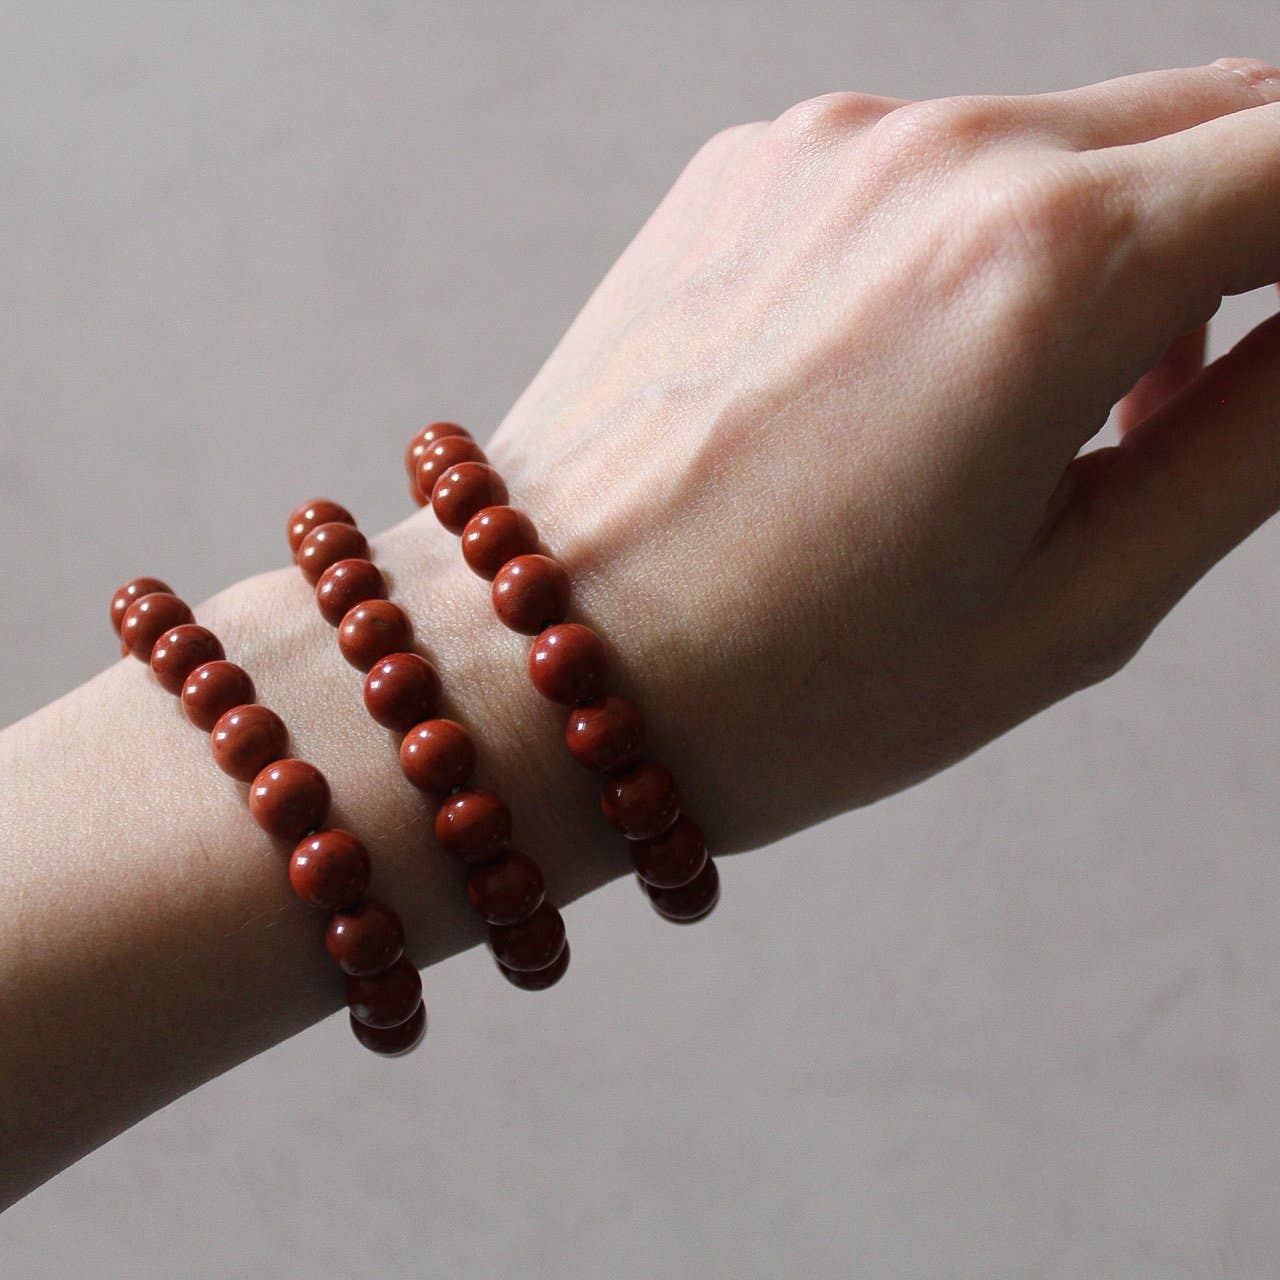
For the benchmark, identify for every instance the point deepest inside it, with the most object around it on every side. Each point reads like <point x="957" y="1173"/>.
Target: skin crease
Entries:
<point x="810" y="455"/>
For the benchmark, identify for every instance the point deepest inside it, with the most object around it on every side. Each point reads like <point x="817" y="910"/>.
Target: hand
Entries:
<point x="811" y="448"/>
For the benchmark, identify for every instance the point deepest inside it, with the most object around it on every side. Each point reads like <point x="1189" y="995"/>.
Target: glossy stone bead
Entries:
<point x="495" y="535"/>
<point x="393" y="1042"/>
<point x="642" y="803"/>
<point x="246" y="739"/>
<point x="437" y="756"/>
<point x="401" y="690"/>
<point x="130" y="592"/>
<point x="385" y="999"/>
<point x="180" y="651"/>
<point x="148" y="618"/>
<point x="364" y="939"/>
<point x="568" y="663"/>
<point x="531" y="593"/>
<point x="465" y="490"/>
<point x="289" y="798"/>
<point x="605" y="735"/>
<point x="532" y="944"/>
<point x="439" y="456"/>
<point x="423" y="439"/>
<point x="537" y="979"/>
<point x="212" y="690"/>
<point x="330" y="869"/>
<point x="671" y="859"/>
<point x="690" y="901"/>
<point x="473" y="825"/>
<point x="506" y="891"/>
<point x="310" y="514"/>
<point x="372" y="630"/>
<point x="346" y="584"/>
<point x="326" y="544"/>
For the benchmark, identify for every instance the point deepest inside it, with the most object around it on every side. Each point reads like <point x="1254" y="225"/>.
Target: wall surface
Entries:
<point x="1031" y="1024"/>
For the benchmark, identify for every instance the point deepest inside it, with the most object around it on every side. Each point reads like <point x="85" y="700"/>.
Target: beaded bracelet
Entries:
<point x="568" y="664"/>
<point x="402" y="692"/>
<point x="289" y="800"/>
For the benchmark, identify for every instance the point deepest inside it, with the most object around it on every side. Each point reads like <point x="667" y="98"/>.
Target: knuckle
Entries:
<point x="948" y="124"/>
<point x="821" y="120"/>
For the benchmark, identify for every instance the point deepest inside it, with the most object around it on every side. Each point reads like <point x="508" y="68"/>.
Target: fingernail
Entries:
<point x="1254" y="70"/>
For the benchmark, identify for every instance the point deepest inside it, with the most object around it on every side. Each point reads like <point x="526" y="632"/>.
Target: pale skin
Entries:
<point x="811" y="456"/>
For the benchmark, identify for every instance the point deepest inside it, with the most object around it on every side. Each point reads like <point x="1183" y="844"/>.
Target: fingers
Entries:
<point x="1181" y="363"/>
<point x="1138" y="108"/>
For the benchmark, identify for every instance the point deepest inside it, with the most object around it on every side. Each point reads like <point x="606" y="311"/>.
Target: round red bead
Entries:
<point x="642" y="803"/>
<point x="537" y="979"/>
<point x="532" y="944"/>
<point x="473" y="825"/>
<point x="464" y="490"/>
<point x="372" y="630"/>
<point x="130" y="592"/>
<point x="326" y="544"/>
<point x="568" y="663"/>
<point x="439" y="456"/>
<point x="310" y="514"/>
<point x="421" y="441"/>
<point x="437" y="755"/>
<point x="180" y="651"/>
<point x="148" y="618"/>
<point x="494" y="536"/>
<point x="401" y="690"/>
<point x="289" y="798"/>
<point x="385" y="999"/>
<point x="606" y="734"/>
<point x="330" y="869"/>
<point x="392" y="1042"/>
<point x="506" y="891"/>
<point x="364" y="939"/>
<point x="690" y="901"/>
<point x="671" y="859"/>
<point x="246" y="739"/>
<point x="531" y="593"/>
<point x="346" y="584"/>
<point x="212" y="689"/>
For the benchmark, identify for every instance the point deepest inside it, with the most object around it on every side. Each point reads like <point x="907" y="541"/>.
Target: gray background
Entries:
<point x="1021" y="1021"/>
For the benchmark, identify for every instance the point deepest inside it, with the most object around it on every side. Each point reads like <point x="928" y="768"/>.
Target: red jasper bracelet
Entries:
<point x="289" y="799"/>
<point x="568" y="664"/>
<point x="402" y="692"/>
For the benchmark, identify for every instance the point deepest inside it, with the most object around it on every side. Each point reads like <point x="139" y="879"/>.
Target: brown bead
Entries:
<point x="642" y="803"/>
<point x="212" y="690"/>
<point x="289" y="798"/>
<point x="130" y="592"/>
<point x="465" y="489"/>
<point x="606" y="734"/>
<point x="326" y="544"/>
<point x="393" y="1042"/>
<point x="537" y="979"/>
<point x="494" y="536"/>
<point x="671" y="859"/>
<point x="385" y="999"/>
<point x="330" y="869"/>
<point x="346" y="584"/>
<point x="246" y="739"/>
<point x="690" y="901"/>
<point x="421" y="441"/>
<point x="439" y="456"/>
<point x="531" y="593"/>
<point x="401" y="690"/>
<point x="364" y="939"/>
<point x="372" y="630"/>
<point x="148" y="618"/>
<point x="532" y="944"/>
<point x="568" y="663"/>
<point x="180" y="651"/>
<point x="506" y="891"/>
<point x="310" y="514"/>
<point x="437" y="755"/>
<point x="474" y="825"/>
